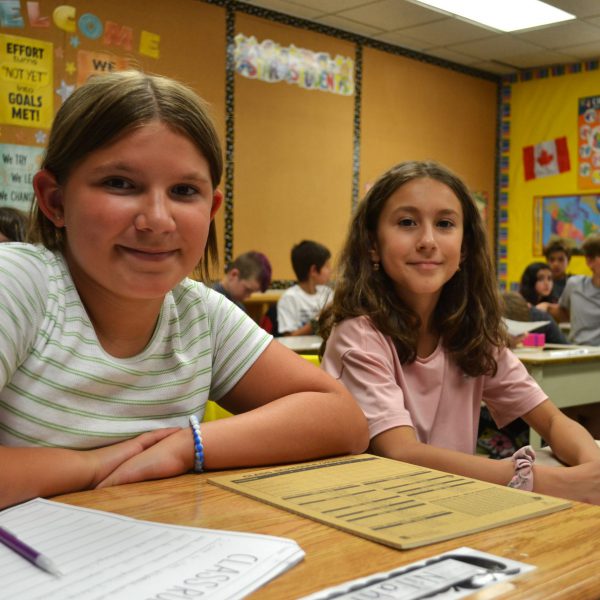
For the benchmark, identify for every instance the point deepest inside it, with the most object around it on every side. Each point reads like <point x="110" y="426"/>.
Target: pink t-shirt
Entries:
<point x="432" y="394"/>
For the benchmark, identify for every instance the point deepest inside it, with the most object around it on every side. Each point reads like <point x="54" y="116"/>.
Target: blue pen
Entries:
<point x="27" y="552"/>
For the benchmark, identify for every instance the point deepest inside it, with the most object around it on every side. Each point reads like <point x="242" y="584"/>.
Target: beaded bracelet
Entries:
<point x="198" y="447"/>
<point x="523" y="459"/>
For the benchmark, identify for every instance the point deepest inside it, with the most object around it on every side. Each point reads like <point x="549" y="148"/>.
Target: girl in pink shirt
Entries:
<point x="415" y="332"/>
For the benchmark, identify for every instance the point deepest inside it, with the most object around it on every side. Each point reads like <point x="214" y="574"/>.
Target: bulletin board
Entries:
<point x="48" y="48"/>
<point x="418" y="111"/>
<point x="572" y="217"/>
<point x="293" y="154"/>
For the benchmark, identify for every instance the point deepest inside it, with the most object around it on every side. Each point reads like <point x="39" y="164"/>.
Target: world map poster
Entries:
<point x="572" y="217"/>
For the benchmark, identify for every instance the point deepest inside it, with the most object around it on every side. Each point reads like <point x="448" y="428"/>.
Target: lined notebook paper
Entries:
<point x="108" y="556"/>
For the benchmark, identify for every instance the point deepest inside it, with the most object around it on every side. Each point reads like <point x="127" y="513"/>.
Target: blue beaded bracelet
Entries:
<point x="198" y="447"/>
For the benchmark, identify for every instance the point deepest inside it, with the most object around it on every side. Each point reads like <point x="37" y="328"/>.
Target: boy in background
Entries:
<point x="558" y="255"/>
<point x="300" y="305"/>
<point x="248" y="273"/>
<point x="580" y="301"/>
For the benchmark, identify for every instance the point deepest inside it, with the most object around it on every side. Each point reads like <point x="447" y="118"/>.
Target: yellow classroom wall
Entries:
<point x="542" y="109"/>
<point x="293" y="148"/>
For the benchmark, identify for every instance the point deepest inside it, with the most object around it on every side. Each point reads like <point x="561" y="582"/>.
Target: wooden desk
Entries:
<point x="259" y="303"/>
<point x="302" y="344"/>
<point x="570" y="375"/>
<point x="563" y="545"/>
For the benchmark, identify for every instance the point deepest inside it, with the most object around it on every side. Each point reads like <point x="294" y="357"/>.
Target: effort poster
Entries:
<point x="26" y="82"/>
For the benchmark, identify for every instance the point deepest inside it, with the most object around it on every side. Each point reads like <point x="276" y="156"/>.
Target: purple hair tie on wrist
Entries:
<point x="523" y="459"/>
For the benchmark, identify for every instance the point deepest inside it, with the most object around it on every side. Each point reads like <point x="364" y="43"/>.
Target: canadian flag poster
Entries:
<point x="546" y="158"/>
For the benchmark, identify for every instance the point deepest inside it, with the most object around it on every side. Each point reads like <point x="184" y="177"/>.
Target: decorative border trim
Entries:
<point x="552" y="71"/>
<point x="501" y="233"/>
<point x="229" y="133"/>
<point x="358" y="61"/>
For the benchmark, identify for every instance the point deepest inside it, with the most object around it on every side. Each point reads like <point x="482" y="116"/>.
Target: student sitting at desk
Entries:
<point x="580" y="302"/>
<point x="248" y="273"/>
<point x="300" y="305"/>
<point x="558" y="254"/>
<point x="415" y="332"/>
<point x="106" y="348"/>
<point x="515" y="307"/>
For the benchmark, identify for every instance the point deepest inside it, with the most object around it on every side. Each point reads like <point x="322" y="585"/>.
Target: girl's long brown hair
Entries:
<point x="468" y="313"/>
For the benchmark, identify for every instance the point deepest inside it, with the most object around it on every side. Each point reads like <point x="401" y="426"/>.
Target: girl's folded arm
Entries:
<point x="31" y="472"/>
<point x="290" y="410"/>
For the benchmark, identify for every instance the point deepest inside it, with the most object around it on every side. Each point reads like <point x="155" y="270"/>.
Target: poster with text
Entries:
<point x="588" y="128"/>
<point x="26" y="82"/>
<point x="18" y="165"/>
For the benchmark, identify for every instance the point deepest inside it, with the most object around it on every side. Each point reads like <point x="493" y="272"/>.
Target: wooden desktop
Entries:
<point x="259" y="303"/>
<point x="563" y="546"/>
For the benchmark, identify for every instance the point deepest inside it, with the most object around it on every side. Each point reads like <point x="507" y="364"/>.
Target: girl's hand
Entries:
<point x="106" y="460"/>
<point x="515" y="340"/>
<point x="172" y="455"/>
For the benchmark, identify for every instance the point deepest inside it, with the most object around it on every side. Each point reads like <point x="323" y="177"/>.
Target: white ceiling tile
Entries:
<point x="286" y="8"/>
<point x="347" y="25"/>
<point x="562" y="34"/>
<point x="392" y="14"/>
<point x="330" y="6"/>
<point x="541" y="59"/>
<point x="498" y="47"/>
<point x="594" y="21"/>
<point x="399" y="38"/>
<point x="579" y="8"/>
<point x="452" y="56"/>
<point x="447" y="31"/>
<point x="585" y="51"/>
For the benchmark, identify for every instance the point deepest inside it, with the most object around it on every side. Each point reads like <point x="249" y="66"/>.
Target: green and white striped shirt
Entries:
<point x="58" y="387"/>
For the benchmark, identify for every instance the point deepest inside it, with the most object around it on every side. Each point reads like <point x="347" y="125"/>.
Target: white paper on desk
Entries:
<point x="520" y="327"/>
<point x="448" y="576"/>
<point x="104" y="555"/>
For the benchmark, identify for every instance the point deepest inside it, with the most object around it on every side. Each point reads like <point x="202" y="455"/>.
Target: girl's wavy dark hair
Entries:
<point x="468" y="313"/>
<point x="528" y="281"/>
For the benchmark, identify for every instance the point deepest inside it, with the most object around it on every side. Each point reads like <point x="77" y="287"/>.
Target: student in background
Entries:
<point x="13" y="224"/>
<point x="503" y="442"/>
<point x="580" y="301"/>
<point x="107" y="349"/>
<point x="415" y="332"/>
<point x="558" y="254"/>
<point x="536" y="285"/>
<point x="515" y="307"/>
<point x="300" y="305"/>
<point x="248" y="273"/>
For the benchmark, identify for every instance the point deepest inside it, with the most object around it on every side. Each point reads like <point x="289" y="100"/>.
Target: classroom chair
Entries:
<point x="313" y="358"/>
<point x="213" y="412"/>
